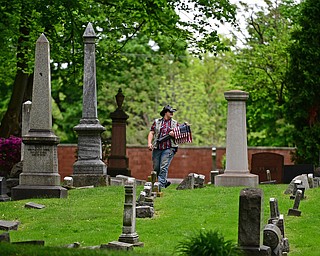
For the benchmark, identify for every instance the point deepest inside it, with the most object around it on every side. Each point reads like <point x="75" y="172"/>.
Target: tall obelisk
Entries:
<point x="89" y="169"/>
<point x="40" y="177"/>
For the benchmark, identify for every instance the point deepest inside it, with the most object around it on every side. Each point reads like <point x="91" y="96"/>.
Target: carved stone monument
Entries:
<point x="89" y="169"/>
<point x="129" y="234"/>
<point x="250" y="222"/>
<point x="118" y="162"/>
<point x="237" y="172"/>
<point x="40" y="177"/>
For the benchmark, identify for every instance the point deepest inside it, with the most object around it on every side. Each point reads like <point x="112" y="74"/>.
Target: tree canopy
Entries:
<point x="126" y="31"/>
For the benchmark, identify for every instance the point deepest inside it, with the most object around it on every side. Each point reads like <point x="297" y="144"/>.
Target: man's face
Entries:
<point x="168" y="115"/>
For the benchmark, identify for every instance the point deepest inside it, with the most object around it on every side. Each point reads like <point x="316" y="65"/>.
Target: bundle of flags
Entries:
<point x="182" y="134"/>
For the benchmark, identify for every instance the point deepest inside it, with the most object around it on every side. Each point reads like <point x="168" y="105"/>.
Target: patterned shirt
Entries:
<point x="164" y="130"/>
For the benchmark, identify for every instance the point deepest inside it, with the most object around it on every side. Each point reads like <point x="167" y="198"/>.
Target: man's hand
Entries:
<point x="150" y="146"/>
<point x="171" y="134"/>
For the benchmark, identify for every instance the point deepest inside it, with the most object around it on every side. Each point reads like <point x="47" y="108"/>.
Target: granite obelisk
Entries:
<point x="237" y="172"/>
<point x="89" y="169"/>
<point x="40" y="177"/>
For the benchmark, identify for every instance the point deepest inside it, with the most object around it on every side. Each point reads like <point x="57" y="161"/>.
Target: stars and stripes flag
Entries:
<point x="182" y="134"/>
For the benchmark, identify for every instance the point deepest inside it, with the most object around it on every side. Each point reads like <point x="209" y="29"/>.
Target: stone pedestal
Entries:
<point x="237" y="172"/>
<point x="40" y="177"/>
<point x="129" y="234"/>
<point x="89" y="169"/>
<point x="118" y="162"/>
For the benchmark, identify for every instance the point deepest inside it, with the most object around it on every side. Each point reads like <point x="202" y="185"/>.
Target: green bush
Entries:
<point x="208" y="243"/>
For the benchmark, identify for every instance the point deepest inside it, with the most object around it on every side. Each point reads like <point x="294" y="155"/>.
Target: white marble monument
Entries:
<point x="236" y="172"/>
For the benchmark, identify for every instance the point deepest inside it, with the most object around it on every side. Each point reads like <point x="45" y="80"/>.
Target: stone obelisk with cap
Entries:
<point x="237" y="172"/>
<point x="40" y="177"/>
<point x="89" y="169"/>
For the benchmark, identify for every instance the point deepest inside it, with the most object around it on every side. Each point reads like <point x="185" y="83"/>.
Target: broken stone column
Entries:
<point x="40" y="176"/>
<point x="3" y="190"/>
<point x="237" y="172"/>
<point x="295" y="210"/>
<point x="250" y="222"/>
<point x="129" y="234"/>
<point x="89" y="169"/>
<point x="26" y="109"/>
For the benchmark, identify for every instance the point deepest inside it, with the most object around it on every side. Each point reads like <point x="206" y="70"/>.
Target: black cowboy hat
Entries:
<point x="167" y="108"/>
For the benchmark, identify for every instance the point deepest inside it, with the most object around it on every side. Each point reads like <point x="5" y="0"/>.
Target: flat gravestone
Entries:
<point x="9" y="225"/>
<point x="34" y="205"/>
<point x="261" y="162"/>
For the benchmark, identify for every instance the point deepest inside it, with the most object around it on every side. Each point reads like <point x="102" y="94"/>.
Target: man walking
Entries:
<point x="163" y="151"/>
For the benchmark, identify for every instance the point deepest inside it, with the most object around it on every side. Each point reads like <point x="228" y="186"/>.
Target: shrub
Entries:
<point x="208" y="243"/>
<point x="10" y="154"/>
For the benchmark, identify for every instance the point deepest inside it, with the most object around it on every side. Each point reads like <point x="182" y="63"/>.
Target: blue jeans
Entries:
<point x="161" y="160"/>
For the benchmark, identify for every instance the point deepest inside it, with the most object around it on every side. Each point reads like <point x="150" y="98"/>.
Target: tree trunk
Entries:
<point x="10" y="124"/>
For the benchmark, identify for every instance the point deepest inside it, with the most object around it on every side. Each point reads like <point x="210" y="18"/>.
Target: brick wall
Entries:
<point x="285" y="151"/>
<point x="188" y="159"/>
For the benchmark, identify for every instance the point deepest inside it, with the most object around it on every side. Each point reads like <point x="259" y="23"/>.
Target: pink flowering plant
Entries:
<point x="10" y="154"/>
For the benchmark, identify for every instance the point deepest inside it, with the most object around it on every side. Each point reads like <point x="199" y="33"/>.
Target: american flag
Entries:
<point x="182" y="134"/>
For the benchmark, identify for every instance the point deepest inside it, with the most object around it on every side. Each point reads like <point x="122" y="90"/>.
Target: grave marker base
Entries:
<point x="255" y="251"/>
<point x="25" y="192"/>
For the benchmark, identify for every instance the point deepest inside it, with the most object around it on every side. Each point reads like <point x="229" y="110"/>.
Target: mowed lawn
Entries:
<point x="94" y="216"/>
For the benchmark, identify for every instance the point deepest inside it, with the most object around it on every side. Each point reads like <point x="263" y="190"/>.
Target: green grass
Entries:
<point x="94" y="217"/>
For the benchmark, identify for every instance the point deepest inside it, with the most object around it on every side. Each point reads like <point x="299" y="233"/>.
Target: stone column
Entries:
<point x="89" y="169"/>
<point x="40" y="177"/>
<point x="26" y="109"/>
<point x="118" y="162"/>
<point x="237" y="172"/>
<point x="129" y="234"/>
<point x="250" y="222"/>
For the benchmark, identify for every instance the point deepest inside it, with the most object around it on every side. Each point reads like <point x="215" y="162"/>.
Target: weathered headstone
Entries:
<point x="118" y="246"/>
<point x="144" y="211"/>
<point x="118" y="162"/>
<point x="5" y="237"/>
<point x="273" y="239"/>
<point x="26" y="110"/>
<point x="295" y="210"/>
<point x="129" y="234"/>
<point x="40" y="177"/>
<point x="250" y="222"/>
<point x="237" y="172"/>
<point x="213" y="174"/>
<point x="3" y="190"/>
<point x="274" y="209"/>
<point x="89" y="169"/>
<point x="192" y="181"/>
<point x="9" y="225"/>
<point x="291" y="187"/>
<point x="34" y="205"/>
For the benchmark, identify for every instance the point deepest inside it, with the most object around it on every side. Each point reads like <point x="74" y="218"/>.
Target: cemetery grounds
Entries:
<point x="95" y="216"/>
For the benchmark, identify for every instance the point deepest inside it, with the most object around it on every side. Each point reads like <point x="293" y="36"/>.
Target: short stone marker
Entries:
<point x="272" y="238"/>
<point x="144" y="211"/>
<point x="116" y="245"/>
<point x="274" y="209"/>
<point x="3" y="190"/>
<point x="192" y="181"/>
<point x="5" y="237"/>
<point x="31" y="242"/>
<point x="250" y="222"/>
<point x="9" y="225"/>
<point x="129" y="234"/>
<point x="34" y="205"/>
<point x="213" y="174"/>
<point x="295" y="210"/>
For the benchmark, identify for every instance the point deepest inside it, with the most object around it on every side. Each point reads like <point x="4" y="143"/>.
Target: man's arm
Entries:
<point x="150" y="137"/>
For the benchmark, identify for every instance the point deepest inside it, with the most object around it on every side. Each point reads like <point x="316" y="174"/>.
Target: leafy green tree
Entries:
<point x="303" y="83"/>
<point x="260" y="67"/>
<point x="117" y="23"/>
